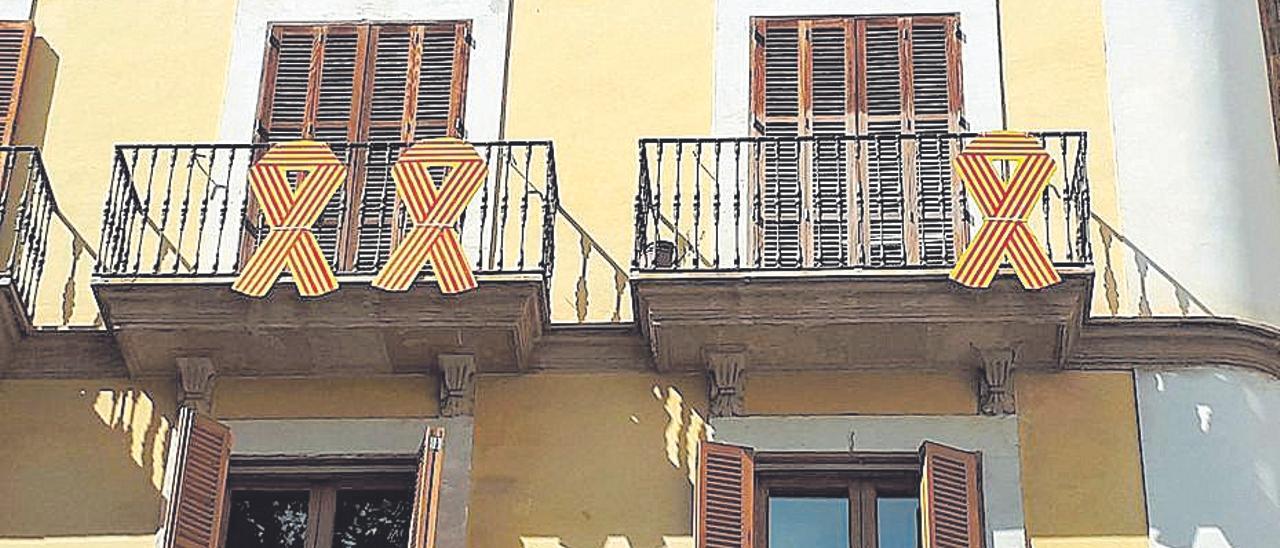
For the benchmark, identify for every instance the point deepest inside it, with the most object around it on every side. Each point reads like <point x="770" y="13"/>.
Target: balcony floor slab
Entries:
<point x="356" y="330"/>
<point x="857" y="319"/>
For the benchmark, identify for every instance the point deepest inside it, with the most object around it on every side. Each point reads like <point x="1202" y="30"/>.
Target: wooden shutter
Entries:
<point x="726" y="496"/>
<point x="15" y="43"/>
<point x="311" y="89"/>
<point x="779" y="64"/>
<point x="360" y="82"/>
<point x="427" y="490"/>
<point x="415" y="86"/>
<point x="1270" y="16"/>
<point x="950" y="498"/>
<point x="909" y="84"/>
<point x="201" y="450"/>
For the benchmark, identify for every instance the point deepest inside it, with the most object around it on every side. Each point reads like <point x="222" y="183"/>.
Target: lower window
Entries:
<point x="815" y="505"/>
<point x="331" y="510"/>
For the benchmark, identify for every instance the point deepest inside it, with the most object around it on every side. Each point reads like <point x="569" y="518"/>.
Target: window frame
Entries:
<point x="321" y="478"/>
<point x="858" y="476"/>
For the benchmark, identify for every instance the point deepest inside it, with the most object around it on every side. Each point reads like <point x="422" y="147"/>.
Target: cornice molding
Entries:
<point x="1128" y="343"/>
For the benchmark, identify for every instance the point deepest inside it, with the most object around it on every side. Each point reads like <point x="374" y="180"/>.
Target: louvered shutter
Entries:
<point x="1270" y="15"/>
<point x="910" y="84"/>
<point x="884" y="203"/>
<point x="777" y="227"/>
<point x="311" y="90"/>
<point x="726" y="496"/>
<point x="415" y="89"/>
<point x="15" y="43"/>
<point x="200" y="450"/>
<point x="830" y="108"/>
<point x="427" y="490"/>
<point x="950" y="498"/>
<point x="935" y="100"/>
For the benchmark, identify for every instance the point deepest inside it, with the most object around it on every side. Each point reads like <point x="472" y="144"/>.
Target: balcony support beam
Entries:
<point x="727" y="381"/>
<point x="995" y="380"/>
<point x="457" y="385"/>
<point x="195" y="379"/>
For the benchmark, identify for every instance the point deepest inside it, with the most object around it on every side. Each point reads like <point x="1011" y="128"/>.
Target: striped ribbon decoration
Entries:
<point x="434" y="210"/>
<point x="290" y="212"/>
<point x="1006" y="207"/>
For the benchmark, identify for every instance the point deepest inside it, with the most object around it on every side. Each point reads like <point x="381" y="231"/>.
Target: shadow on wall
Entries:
<point x="1158" y="292"/>
<point x="70" y="256"/>
<point x="82" y="460"/>
<point x="1211" y="457"/>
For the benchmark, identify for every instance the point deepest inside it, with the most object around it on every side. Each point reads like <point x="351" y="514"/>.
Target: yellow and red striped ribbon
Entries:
<point x="290" y="212"/>
<point x="434" y="210"/>
<point x="1006" y="206"/>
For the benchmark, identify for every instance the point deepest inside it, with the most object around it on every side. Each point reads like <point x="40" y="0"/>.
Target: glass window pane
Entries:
<point x="267" y="518"/>
<point x="372" y="519"/>
<point x="897" y="522"/>
<point x="808" y="522"/>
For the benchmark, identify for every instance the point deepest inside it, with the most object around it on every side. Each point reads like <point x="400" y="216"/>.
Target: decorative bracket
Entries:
<point x="727" y="382"/>
<point x="196" y="376"/>
<point x="995" y="381"/>
<point x="457" y="384"/>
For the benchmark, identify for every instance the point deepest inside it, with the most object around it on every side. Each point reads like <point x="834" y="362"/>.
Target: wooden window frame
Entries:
<point x="858" y="476"/>
<point x="321" y="478"/>
<point x="359" y="123"/>
<point x="857" y="121"/>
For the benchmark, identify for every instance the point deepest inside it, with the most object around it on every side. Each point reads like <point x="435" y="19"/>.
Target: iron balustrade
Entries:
<point x="877" y="201"/>
<point x="27" y="209"/>
<point x="185" y="210"/>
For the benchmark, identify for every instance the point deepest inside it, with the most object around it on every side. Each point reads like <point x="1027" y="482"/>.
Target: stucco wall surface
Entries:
<point x="1199" y="183"/>
<point x="1211" y="457"/>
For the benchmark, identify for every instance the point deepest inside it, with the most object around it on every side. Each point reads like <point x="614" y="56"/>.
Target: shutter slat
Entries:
<point x="726" y="496"/>
<point x="950" y="497"/>
<point x="202" y="452"/>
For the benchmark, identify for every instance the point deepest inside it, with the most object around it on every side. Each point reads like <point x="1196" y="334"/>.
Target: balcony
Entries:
<point x="26" y="210"/>
<point x="833" y="252"/>
<point x="178" y="229"/>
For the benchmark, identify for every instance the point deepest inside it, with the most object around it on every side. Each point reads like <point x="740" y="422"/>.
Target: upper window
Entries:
<point x="856" y="75"/>
<point x="387" y="502"/>
<point x="362" y="82"/>
<point x="838" y="500"/>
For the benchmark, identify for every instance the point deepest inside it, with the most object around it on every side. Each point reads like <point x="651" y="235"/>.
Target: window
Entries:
<point x="362" y="82"/>
<point x="322" y="505"/>
<point x="838" y="500"/>
<point x="865" y="76"/>
<point x="295" y="502"/>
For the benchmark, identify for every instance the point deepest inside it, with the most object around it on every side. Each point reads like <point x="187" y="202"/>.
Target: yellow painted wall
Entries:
<point x="117" y="76"/>
<point x="1055" y="77"/>
<point x="595" y="77"/>
<point x="1081" y="464"/>
<point x="82" y="462"/>
<point x="862" y="393"/>
<point x="580" y="458"/>
<point x="326" y="398"/>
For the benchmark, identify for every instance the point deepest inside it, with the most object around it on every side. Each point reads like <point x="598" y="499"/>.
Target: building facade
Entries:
<point x="712" y="248"/>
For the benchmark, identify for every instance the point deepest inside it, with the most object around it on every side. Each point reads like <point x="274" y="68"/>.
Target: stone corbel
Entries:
<point x="457" y="384"/>
<point x="727" y="382"/>
<point x="995" y="380"/>
<point x="195" y="377"/>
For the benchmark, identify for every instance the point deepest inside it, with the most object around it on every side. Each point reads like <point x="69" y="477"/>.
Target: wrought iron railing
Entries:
<point x="27" y="209"/>
<point x="833" y="202"/>
<point x="184" y="210"/>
